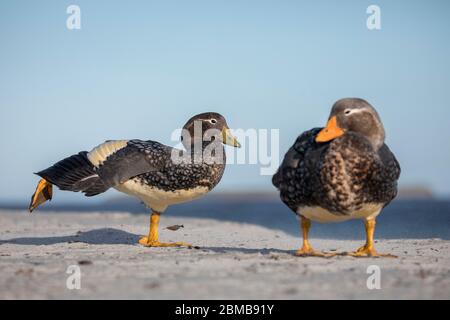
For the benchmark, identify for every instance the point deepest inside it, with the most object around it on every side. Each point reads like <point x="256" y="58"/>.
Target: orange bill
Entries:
<point x="332" y="131"/>
<point x="44" y="192"/>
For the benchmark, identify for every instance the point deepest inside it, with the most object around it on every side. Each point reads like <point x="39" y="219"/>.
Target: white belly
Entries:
<point x="157" y="199"/>
<point x="369" y="211"/>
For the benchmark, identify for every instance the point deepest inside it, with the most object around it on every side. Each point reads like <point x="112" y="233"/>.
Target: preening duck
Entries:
<point x="156" y="174"/>
<point x="340" y="172"/>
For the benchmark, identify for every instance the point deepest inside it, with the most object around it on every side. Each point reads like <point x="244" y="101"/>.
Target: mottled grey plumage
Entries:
<point x="341" y="175"/>
<point x="312" y="174"/>
<point x="136" y="158"/>
<point x="157" y="169"/>
<point x="148" y="163"/>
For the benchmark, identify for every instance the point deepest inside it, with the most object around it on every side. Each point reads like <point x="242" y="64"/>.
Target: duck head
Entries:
<point x="357" y="116"/>
<point x="207" y="127"/>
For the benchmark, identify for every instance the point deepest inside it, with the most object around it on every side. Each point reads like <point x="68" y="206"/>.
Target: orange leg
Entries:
<point x="368" y="250"/>
<point x="152" y="240"/>
<point x="307" y="250"/>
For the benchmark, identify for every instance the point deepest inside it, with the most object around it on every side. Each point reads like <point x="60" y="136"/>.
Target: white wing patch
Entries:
<point x="100" y="153"/>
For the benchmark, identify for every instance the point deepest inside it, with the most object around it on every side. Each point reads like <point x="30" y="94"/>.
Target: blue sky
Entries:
<point x="140" y="69"/>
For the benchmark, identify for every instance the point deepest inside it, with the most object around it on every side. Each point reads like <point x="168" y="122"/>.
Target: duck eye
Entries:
<point x="347" y="112"/>
<point x="213" y="121"/>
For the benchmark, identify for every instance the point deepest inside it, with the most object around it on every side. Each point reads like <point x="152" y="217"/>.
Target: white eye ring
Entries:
<point x="213" y="121"/>
<point x="347" y="112"/>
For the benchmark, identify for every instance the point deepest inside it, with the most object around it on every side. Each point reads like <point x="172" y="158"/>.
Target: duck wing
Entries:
<point x="131" y="159"/>
<point x="385" y="175"/>
<point x="295" y="156"/>
<point x="297" y="176"/>
<point x="390" y="164"/>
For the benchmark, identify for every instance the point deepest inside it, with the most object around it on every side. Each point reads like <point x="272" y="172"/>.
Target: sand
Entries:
<point x="235" y="261"/>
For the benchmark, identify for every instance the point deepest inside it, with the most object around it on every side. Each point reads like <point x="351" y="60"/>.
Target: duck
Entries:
<point x="156" y="174"/>
<point x="340" y="172"/>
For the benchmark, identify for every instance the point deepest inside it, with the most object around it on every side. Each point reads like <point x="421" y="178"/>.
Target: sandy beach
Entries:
<point x="235" y="260"/>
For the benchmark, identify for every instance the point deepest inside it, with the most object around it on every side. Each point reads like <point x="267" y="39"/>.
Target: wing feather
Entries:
<point x="135" y="158"/>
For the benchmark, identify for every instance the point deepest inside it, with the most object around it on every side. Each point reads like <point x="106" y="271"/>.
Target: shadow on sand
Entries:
<point x="263" y="251"/>
<point x="97" y="236"/>
<point x="115" y="236"/>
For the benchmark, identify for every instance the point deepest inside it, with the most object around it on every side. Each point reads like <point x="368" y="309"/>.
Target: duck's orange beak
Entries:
<point x="330" y="132"/>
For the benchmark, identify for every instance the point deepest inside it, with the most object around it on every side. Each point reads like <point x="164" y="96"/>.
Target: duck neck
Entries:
<point x="377" y="142"/>
<point x="375" y="133"/>
<point x="210" y="152"/>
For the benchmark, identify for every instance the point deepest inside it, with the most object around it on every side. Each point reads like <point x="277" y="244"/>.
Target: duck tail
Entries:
<point x="75" y="173"/>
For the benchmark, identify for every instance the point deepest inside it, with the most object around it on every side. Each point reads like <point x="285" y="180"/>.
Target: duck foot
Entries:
<point x="309" y="252"/>
<point x="368" y="252"/>
<point x="155" y="243"/>
<point x="44" y="192"/>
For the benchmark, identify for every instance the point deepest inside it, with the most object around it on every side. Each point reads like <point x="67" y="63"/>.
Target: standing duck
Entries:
<point x="156" y="174"/>
<point x="341" y="172"/>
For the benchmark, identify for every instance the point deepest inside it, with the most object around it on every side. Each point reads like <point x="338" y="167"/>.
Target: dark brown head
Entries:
<point x="357" y="116"/>
<point x="206" y="127"/>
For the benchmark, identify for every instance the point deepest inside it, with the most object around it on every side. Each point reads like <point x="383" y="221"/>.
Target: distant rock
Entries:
<point x="415" y="192"/>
